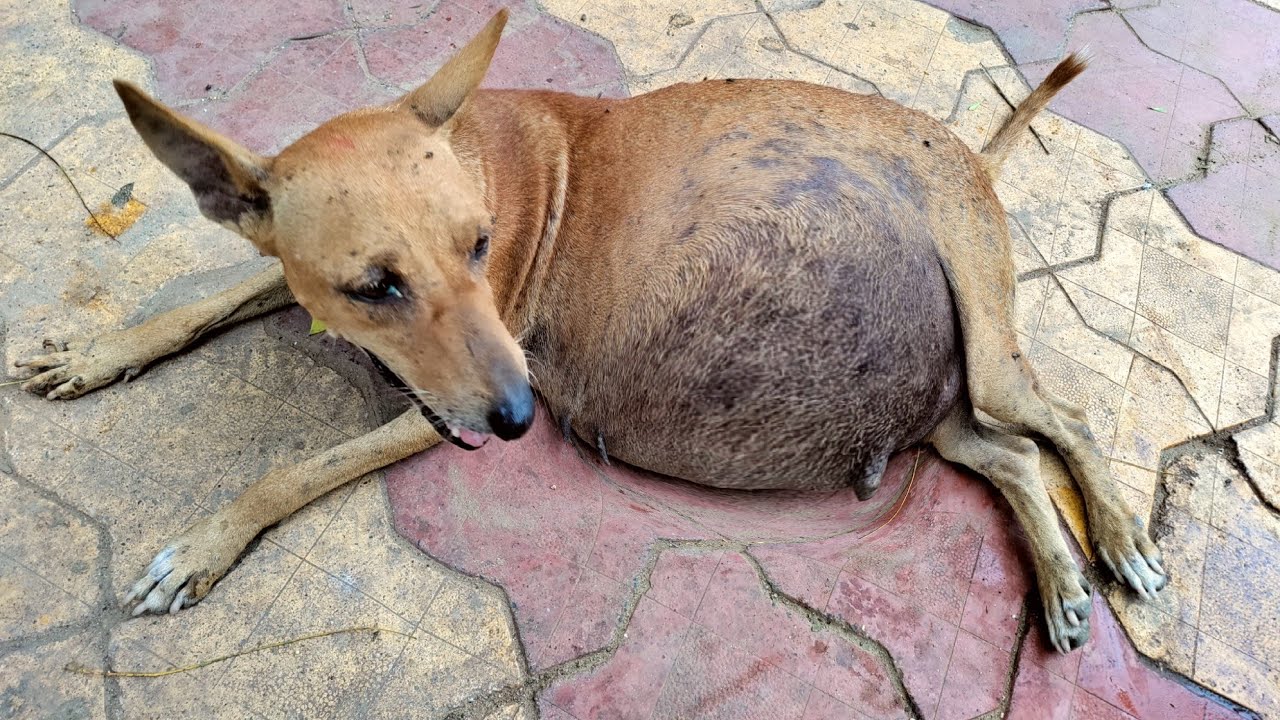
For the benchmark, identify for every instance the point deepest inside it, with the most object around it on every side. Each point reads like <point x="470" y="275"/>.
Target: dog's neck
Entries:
<point x="517" y="147"/>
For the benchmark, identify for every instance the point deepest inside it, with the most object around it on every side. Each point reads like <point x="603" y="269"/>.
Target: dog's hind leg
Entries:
<point x="1012" y="464"/>
<point x="1003" y="384"/>
<point x="187" y="568"/>
<point x="76" y="367"/>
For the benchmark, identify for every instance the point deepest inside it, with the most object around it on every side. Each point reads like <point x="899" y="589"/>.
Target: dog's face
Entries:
<point x="384" y="237"/>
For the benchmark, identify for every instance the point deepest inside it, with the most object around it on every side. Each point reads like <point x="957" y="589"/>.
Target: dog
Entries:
<point x="739" y="283"/>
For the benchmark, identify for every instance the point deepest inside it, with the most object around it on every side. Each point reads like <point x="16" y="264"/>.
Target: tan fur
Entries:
<point x="745" y="284"/>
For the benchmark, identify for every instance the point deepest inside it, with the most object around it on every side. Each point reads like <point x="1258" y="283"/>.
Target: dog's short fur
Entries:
<point x="749" y="284"/>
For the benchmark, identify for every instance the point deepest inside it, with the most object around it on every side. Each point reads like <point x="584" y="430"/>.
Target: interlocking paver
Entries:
<point x="1162" y="328"/>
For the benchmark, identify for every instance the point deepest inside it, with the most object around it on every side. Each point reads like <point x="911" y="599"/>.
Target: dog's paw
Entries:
<point x="70" y="369"/>
<point x="1067" y="604"/>
<point x="1127" y="550"/>
<point x="183" y="572"/>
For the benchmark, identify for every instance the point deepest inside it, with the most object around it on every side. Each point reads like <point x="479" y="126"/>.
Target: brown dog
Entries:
<point x="744" y="284"/>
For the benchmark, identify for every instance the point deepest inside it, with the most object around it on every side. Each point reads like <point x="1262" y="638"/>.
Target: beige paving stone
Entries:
<point x="1115" y="275"/>
<point x="1185" y="300"/>
<point x="1238" y="510"/>
<point x="1141" y="479"/>
<point x="1108" y="152"/>
<point x="361" y="548"/>
<point x="1262" y="440"/>
<point x="62" y="71"/>
<point x="1061" y="328"/>
<point x="139" y="513"/>
<point x="1199" y="369"/>
<point x="1255" y="321"/>
<point x="1258" y="279"/>
<point x="1028" y="303"/>
<point x="1237" y="676"/>
<point x="1099" y="396"/>
<point x="30" y="604"/>
<point x="1101" y="314"/>
<point x="817" y="29"/>
<point x="1168" y="232"/>
<point x="49" y="539"/>
<point x="889" y="51"/>
<point x="1129" y="213"/>
<point x="761" y="53"/>
<point x="1244" y="396"/>
<point x="1155" y="633"/>
<point x="34" y="686"/>
<point x="14" y="157"/>
<point x="326" y="677"/>
<point x="432" y="677"/>
<point x="219" y="625"/>
<point x="326" y="396"/>
<point x="182" y="424"/>
<point x="251" y="354"/>
<point x="1239" y="583"/>
<point x="471" y="615"/>
<point x="109" y="151"/>
<point x="1145" y="426"/>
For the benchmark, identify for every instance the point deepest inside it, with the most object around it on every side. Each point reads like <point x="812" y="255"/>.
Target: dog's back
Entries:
<point x="771" y="311"/>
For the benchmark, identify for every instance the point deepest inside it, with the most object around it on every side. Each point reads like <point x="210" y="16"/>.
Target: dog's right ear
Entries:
<point x="436" y="101"/>
<point x="226" y="178"/>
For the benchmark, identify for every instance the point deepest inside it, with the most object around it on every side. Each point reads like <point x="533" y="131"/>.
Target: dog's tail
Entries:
<point x="997" y="150"/>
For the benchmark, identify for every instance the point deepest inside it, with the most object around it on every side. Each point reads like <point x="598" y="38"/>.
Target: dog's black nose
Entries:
<point x="512" y="416"/>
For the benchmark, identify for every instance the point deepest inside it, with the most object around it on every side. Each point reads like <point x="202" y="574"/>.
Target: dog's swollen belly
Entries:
<point x="771" y="313"/>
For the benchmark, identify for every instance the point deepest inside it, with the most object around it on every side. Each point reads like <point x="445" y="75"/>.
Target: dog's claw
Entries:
<point x="1067" y="606"/>
<point x="74" y="368"/>
<point x="1133" y="559"/>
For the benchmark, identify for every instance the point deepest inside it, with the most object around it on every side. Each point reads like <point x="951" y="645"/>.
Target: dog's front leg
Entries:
<point x="76" y="367"/>
<point x="185" y="570"/>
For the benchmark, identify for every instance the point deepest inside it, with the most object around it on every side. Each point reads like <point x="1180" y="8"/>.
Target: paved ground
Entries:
<point x="1150" y="292"/>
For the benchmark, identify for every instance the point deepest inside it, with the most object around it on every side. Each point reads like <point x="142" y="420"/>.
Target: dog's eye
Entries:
<point x="482" y="247"/>
<point x="385" y="288"/>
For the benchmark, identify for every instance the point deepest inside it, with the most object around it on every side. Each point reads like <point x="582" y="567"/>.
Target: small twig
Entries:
<point x="15" y="382"/>
<point x="1009" y="102"/>
<point x="95" y="672"/>
<point x="70" y="182"/>
<point x="910" y="482"/>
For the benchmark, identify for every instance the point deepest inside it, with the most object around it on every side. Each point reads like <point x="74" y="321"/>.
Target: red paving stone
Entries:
<point x="1030" y="31"/>
<point x="1236" y="41"/>
<point x="268" y="74"/>
<point x="1158" y="108"/>
<point x="1236" y="203"/>
<point x="1165" y="73"/>
<point x="571" y="540"/>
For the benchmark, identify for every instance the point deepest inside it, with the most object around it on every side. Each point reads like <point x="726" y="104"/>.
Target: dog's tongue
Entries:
<point x="471" y="437"/>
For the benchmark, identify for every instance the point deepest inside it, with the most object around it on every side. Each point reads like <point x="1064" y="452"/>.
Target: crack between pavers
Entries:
<point x="107" y="615"/>
<point x="1015" y="662"/>
<point x="1224" y="444"/>
<point x="483" y="705"/>
<point x="840" y="627"/>
<point x="1120" y="12"/>
<point x="786" y="42"/>
<point x="526" y="692"/>
<point x="1051" y="272"/>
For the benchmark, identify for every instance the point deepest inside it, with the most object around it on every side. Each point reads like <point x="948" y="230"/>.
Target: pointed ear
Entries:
<point x="226" y="178"/>
<point x="442" y="95"/>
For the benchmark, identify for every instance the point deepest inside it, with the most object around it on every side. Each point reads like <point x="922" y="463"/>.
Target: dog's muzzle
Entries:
<point x="509" y="419"/>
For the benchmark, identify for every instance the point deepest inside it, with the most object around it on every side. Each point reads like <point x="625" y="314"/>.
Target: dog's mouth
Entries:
<point x="463" y="437"/>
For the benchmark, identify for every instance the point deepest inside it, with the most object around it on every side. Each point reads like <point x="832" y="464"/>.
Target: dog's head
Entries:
<point x="384" y="236"/>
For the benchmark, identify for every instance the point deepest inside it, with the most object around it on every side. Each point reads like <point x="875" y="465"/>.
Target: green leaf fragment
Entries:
<point x="317" y="326"/>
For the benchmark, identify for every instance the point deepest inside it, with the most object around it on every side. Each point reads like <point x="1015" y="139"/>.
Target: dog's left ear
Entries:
<point x="226" y="178"/>
<point x="437" y="100"/>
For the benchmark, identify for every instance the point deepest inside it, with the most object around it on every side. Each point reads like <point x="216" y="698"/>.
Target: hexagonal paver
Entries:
<point x="711" y="603"/>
